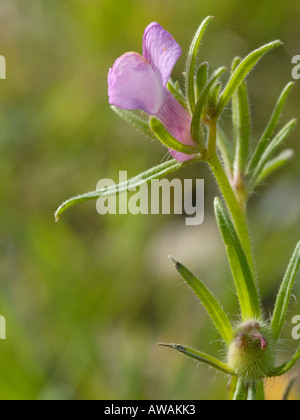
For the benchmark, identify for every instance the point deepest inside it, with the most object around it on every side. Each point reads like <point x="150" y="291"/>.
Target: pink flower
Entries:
<point x="139" y="82"/>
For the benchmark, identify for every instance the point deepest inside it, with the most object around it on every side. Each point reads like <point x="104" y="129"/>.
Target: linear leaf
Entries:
<point x="241" y="391"/>
<point x="201" y="357"/>
<point x="283" y="369"/>
<point x="137" y="122"/>
<point x="284" y="294"/>
<point x="210" y="303"/>
<point x="275" y="164"/>
<point x="252" y="391"/>
<point x="232" y="387"/>
<point x="269" y="131"/>
<point x="226" y="151"/>
<point x="201" y="79"/>
<point x="241" y="125"/>
<point x="175" y="90"/>
<point x="271" y="149"/>
<point x="196" y="120"/>
<point x="244" y="281"/>
<point x="153" y="173"/>
<point x="213" y="97"/>
<point x="241" y="72"/>
<point x="260" y="394"/>
<point x="241" y="109"/>
<point x="168" y="140"/>
<point x="191" y="63"/>
<point x="237" y="213"/>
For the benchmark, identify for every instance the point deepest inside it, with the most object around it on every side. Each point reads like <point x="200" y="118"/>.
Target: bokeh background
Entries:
<point x="87" y="299"/>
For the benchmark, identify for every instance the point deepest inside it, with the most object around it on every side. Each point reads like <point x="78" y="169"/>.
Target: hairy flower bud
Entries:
<point x="251" y="353"/>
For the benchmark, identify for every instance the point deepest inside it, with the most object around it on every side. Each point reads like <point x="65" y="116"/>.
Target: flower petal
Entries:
<point x="180" y="157"/>
<point x="178" y="122"/>
<point x="133" y="84"/>
<point x="161" y="50"/>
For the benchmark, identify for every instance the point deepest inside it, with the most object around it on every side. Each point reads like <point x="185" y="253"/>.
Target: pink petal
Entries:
<point x="178" y="122"/>
<point x="180" y="157"/>
<point x="134" y="84"/>
<point x="161" y="50"/>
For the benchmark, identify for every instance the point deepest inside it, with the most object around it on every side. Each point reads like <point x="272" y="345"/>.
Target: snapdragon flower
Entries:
<point x="140" y="82"/>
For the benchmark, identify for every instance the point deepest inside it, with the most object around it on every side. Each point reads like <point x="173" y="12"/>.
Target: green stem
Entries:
<point x="260" y="394"/>
<point x="241" y="391"/>
<point x="236" y="201"/>
<point x="252" y="392"/>
<point x="237" y="211"/>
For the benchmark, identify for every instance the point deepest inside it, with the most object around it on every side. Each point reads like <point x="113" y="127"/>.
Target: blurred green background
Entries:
<point x="87" y="300"/>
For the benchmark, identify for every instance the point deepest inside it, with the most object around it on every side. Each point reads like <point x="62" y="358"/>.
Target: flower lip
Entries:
<point x="161" y="50"/>
<point x="133" y="84"/>
<point x="139" y="82"/>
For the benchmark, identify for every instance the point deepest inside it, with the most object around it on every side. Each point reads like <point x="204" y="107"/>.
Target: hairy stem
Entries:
<point x="237" y="209"/>
<point x="241" y="391"/>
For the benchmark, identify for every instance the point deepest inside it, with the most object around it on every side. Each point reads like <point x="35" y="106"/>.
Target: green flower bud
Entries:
<point x="251" y="353"/>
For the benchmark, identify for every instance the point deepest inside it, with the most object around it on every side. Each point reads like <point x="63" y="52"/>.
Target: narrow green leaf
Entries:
<point x="241" y="72"/>
<point x="269" y="131"/>
<point x="213" y="98"/>
<point x="252" y="391"/>
<point x="191" y="63"/>
<point x="232" y="387"/>
<point x="235" y="63"/>
<point x="244" y="281"/>
<point x="201" y="79"/>
<point x="286" y="367"/>
<point x="260" y="394"/>
<point x="168" y="140"/>
<point x="270" y="150"/>
<point x="275" y="164"/>
<point x="241" y="129"/>
<point x="235" y="107"/>
<point x="226" y="151"/>
<point x="209" y="302"/>
<point x="284" y="294"/>
<point x="196" y="120"/>
<point x="153" y="173"/>
<point x="237" y="213"/>
<point x="241" y="391"/>
<point x="201" y="357"/>
<point x="177" y="93"/>
<point x="137" y="122"/>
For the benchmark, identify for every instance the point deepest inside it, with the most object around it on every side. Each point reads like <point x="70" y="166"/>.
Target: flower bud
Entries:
<point x="251" y="353"/>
